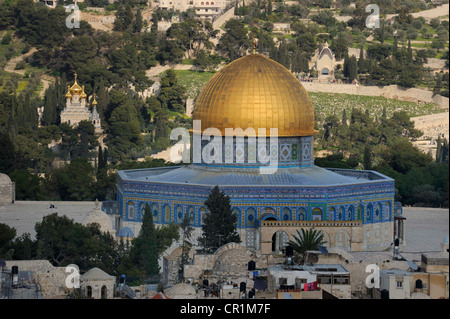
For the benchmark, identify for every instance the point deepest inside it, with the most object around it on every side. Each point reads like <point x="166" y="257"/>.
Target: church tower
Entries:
<point x="77" y="110"/>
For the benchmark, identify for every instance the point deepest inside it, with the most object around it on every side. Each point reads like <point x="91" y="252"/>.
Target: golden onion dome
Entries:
<point x="255" y="92"/>
<point x="76" y="89"/>
<point x="94" y="102"/>
<point x="83" y="95"/>
<point x="68" y="95"/>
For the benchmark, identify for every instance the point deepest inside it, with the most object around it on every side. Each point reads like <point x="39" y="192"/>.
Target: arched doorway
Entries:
<point x="89" y="292"/>
<point x="103" y="292"/>
<point x="280" y="239"/>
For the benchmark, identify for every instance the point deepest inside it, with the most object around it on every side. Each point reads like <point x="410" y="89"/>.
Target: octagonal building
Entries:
<point x="274" y="186"/>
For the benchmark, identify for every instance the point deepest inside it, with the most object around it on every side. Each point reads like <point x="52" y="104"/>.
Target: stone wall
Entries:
<point x="51" y="279"/>
<point x="6" y="194"/>
<point x="391" y="92"/>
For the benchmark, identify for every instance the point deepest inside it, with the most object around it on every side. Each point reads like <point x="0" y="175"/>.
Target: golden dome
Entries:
<point x="68" y="95"/>
<point x="76" y="89"/>
<point x="94" y="102"/>
<point x="83" y="95"/>
<point x="256" y="92"/>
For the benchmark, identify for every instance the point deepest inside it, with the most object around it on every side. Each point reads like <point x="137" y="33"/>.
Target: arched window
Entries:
<point x="251" y="217"/>
<point x="378" y="211"/>
<point x="167" y="213"/>
<point x="236" y="212"/>
<point x="317" y="214"/>
<point x="202" y="3"/>
<point x="419" y="284"/>
<point x="286" y="214"/>
<point x="387" y="211"/>
<point x="191" y="214"/>
<point x="203" y="212"/>
<point x="155" y="212"/>
<point x="369" y="213"/>
<point x="350" y="213"/>
<point x="341" y="213"/>
<point x="268" y="213"/>
<point x="179" y="214"/>
<point x="332" y="215"/>
<point x="142" y="210"/>
<point x="130" y="206"/>
<point x="360" y="212"/>
<point x="301" y="214"/>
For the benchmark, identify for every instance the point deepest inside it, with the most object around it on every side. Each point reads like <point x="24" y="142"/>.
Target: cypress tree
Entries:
<point x="367" y="158"/>
<point x="361" y="62"/>
<point x="220" y="224"/>
<point x="144" y="247"/>
<point x="438" y="149"/>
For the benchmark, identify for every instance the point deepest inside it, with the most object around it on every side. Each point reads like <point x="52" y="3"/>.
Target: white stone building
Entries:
<point x="204" y="9"/>
<point x="97" y="284"/>
<point x="324" y="62"/>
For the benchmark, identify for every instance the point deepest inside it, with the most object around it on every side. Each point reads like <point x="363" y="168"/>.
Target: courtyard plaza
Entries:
<point x="424" y="228"/>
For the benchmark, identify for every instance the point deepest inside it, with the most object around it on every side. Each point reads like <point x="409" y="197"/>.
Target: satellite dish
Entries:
<point x="312" y="258"/>
<point x="412" y="265"/>
<point x="323" y="250"/>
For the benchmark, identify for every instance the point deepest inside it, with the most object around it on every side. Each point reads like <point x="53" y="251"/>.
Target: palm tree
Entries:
<point x="309" y="239"/>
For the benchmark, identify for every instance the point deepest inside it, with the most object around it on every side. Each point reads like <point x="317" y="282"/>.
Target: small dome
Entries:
<point x="96" y="274"/>
<point x="4" y="179"/>
<point x="125" y="232"/>
<point x="99" y="217"/>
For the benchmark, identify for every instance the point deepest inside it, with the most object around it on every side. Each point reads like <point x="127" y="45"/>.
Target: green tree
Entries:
<point x="234" y="42"/>
<point x="74" y="181"/>
<point x="7" y="235"/>
<point x="305" y="240"/>
<point x="138" y="22"/>
<point x="125" y="133"/>
<point x="172" y="94"/>
<point x="350" y="68"/>
<point x="28" y="186"/>
<point x="124" y="18"/>
<point x="62" y="241"/>
<point x="220" y="223"/>
<point x="367" y="158"/>
<point x="144" y="246"/>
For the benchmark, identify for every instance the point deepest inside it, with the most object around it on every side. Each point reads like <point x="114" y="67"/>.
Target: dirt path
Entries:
<point x="11" y="65"/>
